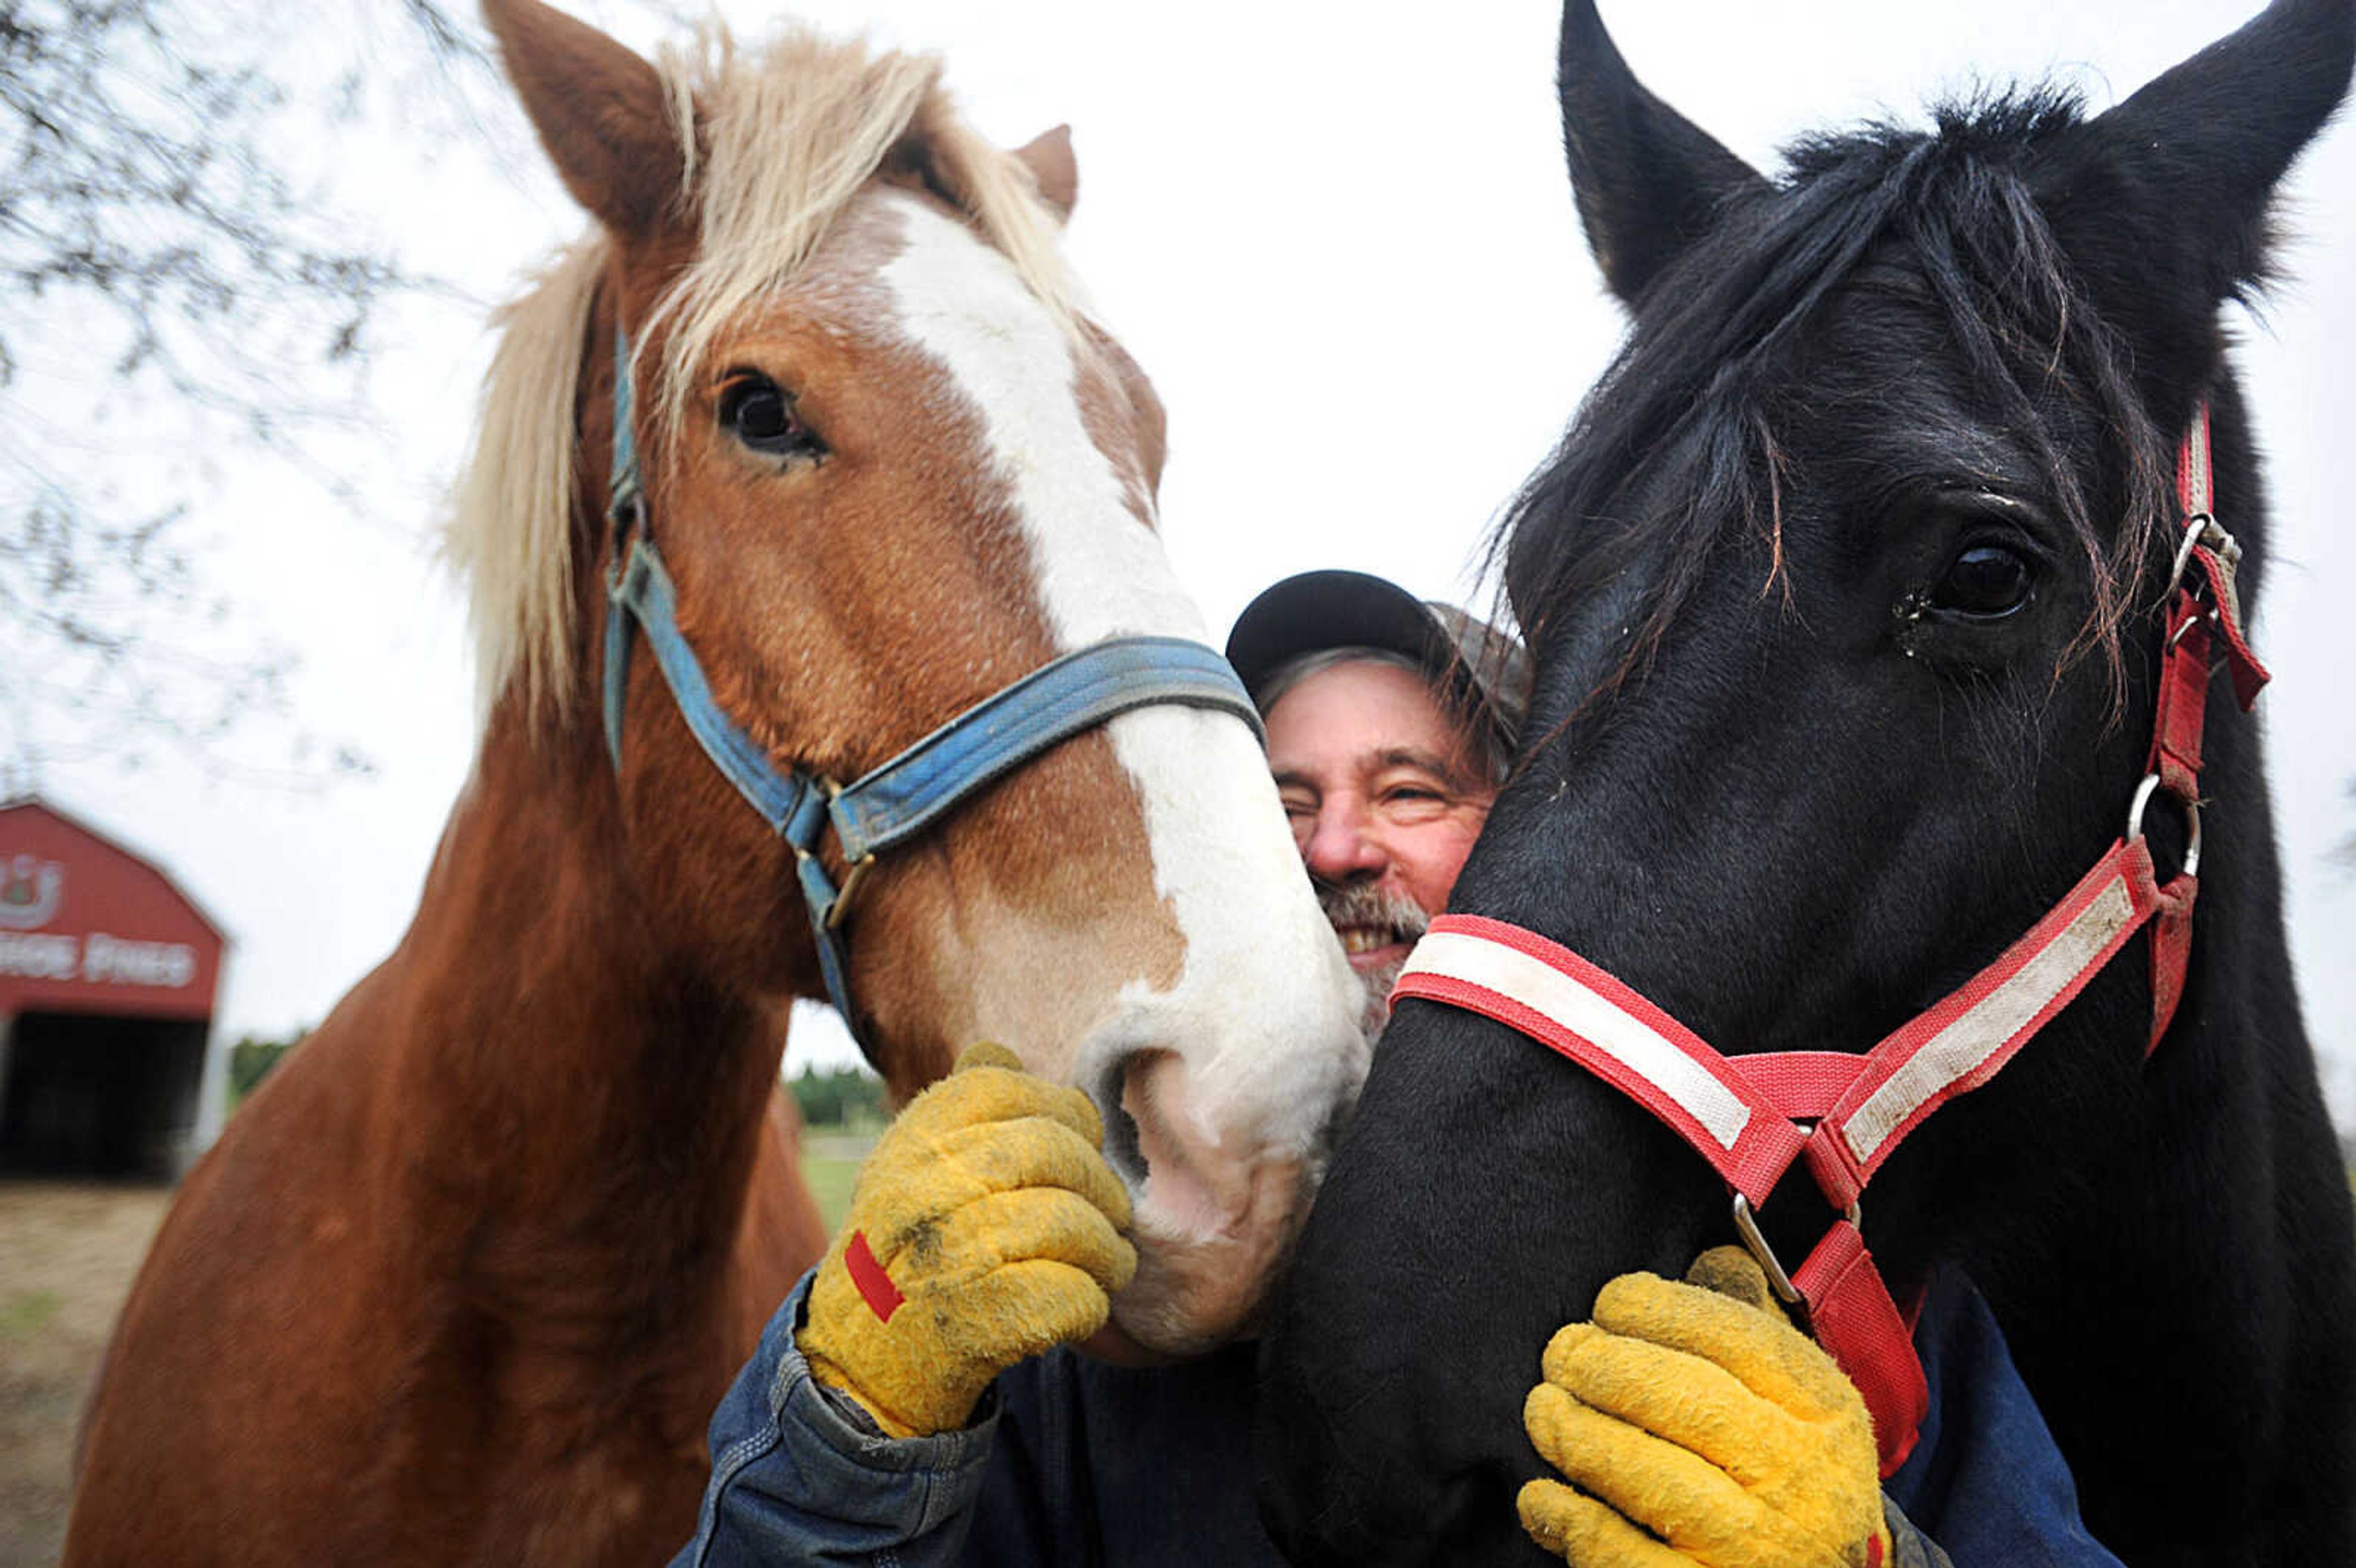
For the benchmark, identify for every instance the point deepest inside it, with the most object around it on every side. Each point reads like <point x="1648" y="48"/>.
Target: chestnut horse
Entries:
<point x="464" y="1282"/>
<point x="1845" y="594"/>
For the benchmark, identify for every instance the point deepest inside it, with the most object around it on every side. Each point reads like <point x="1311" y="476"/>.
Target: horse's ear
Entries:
<point x="600" y="111"/>
<point x="1048" y="156"/>
<point x="2161" y="202"/>
<point x="1648" y="181"/>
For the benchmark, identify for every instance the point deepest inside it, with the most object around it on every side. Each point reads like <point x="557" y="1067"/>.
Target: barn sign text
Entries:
<point x="97" y="957"/>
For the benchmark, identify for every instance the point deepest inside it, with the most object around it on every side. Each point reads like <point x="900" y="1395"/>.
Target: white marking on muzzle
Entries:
<point x="1264" y="1008"/>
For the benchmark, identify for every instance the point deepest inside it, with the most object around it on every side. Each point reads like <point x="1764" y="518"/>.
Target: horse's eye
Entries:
<point x="760" y="414"/>
<point x="1986" y="580"/>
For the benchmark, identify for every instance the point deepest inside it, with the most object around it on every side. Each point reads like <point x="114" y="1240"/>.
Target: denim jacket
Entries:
<point x="800" y="1478"/>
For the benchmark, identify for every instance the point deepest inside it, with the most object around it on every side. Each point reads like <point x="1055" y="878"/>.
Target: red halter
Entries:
<point x="1752" y="1116"/>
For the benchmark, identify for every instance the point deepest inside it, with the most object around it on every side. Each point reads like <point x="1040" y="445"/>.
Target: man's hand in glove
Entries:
<point x="985" y="1228"/>
<point x="1695" y="1426"/>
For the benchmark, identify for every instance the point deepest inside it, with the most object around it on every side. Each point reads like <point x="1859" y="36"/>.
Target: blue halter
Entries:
<point x="909" y="794"/>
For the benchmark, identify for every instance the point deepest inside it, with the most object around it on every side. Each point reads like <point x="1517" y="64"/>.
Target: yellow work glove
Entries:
<point x="1695" y="1426"/>
<point x="985" y="1228"/>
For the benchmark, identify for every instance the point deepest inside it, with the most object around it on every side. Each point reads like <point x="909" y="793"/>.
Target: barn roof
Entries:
<point x="109" y="841"/>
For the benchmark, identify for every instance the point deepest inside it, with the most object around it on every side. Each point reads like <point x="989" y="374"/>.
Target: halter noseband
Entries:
<point x="911" y="791"/>
<point x="1752" y="1117"/>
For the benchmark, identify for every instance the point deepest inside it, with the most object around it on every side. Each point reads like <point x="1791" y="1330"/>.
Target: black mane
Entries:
<point x="1674" y="455"/>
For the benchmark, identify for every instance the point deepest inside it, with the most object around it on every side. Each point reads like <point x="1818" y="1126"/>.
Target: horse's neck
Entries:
<point x="593" y="1103"/>
<point x="2220" y="1263"/>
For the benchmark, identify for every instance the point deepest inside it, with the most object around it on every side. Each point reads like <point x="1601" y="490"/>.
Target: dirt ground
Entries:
<point x="67" y="1252"/>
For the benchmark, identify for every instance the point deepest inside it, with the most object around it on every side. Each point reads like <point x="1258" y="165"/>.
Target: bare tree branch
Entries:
<point x="176" y="292"/>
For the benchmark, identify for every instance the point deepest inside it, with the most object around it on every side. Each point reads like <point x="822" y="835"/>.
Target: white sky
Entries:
<point x="1340" y="240"/>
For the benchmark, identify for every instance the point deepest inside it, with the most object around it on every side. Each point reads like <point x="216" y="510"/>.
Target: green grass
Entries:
<point x="25" y="1313"/>
<point x="830" y="1164"/>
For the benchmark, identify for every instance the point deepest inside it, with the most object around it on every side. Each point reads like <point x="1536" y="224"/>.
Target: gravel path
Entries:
<point x="68" y="1253"/>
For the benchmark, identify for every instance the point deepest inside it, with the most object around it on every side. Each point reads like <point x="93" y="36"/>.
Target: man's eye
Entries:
<point x="1413" y="795"/>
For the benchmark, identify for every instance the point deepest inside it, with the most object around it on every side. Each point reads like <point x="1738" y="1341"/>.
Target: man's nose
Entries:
<point x="1341" y="849"/>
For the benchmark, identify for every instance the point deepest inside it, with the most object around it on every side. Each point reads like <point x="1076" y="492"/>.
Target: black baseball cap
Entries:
<point x="1473" y="662"/>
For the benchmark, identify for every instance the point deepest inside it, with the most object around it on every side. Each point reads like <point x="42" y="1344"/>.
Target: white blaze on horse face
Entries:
<point x="1236" y="1073"/>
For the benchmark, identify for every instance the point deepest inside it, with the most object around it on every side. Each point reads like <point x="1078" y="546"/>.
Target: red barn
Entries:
<point x="108" y="973"/>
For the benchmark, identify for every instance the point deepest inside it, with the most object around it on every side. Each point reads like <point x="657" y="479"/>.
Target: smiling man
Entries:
<point x="1390" y="724"/>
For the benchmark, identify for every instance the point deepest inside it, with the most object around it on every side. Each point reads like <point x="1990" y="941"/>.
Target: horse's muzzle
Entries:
<point x="1218" y="1210"/>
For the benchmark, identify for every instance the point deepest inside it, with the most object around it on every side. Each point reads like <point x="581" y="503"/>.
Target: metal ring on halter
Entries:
<point x="2191" y="809"/>
<point x="2196" y="528"/>
<point x="1749" y="1228"/>
<point x="850" y="880"/>
<point x="2189" y="622"/>
<point x="852" y="875"/>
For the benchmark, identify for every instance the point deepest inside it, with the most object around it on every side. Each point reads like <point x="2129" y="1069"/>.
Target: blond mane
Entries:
<point x="774" y="146"/>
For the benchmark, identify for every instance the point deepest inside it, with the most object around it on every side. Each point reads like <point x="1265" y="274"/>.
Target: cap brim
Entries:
<point x="1321" y="610"/>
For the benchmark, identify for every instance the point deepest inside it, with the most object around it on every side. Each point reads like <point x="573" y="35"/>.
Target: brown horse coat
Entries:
<point x="464" y="1282"/>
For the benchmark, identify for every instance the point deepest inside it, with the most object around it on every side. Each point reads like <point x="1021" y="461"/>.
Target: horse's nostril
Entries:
<point x="1196" y="1183"/>
<point x="1146" y="1093"/>
<point x="1122" y="1148"/>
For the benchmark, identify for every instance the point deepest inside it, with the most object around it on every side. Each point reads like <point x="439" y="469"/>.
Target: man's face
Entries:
<point x="1386" y="797"/>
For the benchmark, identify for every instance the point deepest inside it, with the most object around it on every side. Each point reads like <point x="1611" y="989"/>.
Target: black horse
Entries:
<point x="1843" y="591"/>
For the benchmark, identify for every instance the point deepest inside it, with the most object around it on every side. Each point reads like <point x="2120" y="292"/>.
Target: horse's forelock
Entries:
<point x="788" y="138"/>
<point x="1677" y="453"/>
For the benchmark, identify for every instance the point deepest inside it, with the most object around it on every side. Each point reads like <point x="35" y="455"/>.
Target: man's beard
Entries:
<point x="1395" y="917"/>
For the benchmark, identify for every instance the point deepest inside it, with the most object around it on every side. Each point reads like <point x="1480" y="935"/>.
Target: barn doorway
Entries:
<point x="108" y="972"/>
<point x="84" y="1094"/>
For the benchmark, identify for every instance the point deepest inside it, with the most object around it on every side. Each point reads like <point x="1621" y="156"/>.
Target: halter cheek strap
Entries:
<point x="913" y="791"/>
<point x="1753" y="1117"/>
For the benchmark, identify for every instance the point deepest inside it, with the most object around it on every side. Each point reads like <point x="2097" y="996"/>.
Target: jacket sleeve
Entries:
<point x="797" y="1477"/>
<point x="1909" y="1547"/>
<point x="1986" y="1481"/>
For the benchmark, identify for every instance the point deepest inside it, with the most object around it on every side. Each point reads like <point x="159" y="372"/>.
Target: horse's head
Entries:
<point x="890" y="469"/>
<point x="1840" y="591"/>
